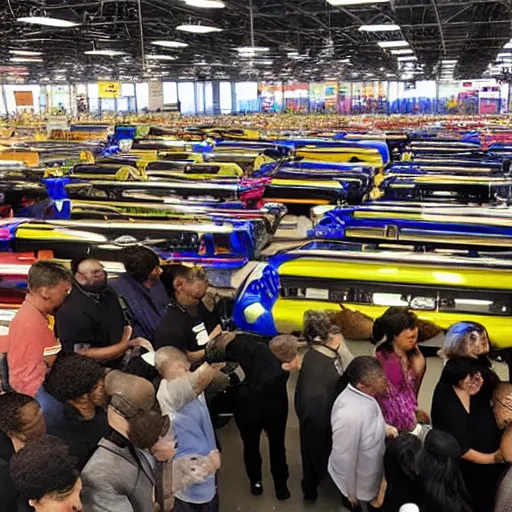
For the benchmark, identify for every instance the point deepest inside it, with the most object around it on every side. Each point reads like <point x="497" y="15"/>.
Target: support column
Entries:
<point x="216" y="97"/>
<point x="233" y="97"/>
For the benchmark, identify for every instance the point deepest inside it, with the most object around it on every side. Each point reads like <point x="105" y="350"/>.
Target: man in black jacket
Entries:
<point x="78" y="383"/>
<point x="260" y="402"/>
<point x="91" y="321"/>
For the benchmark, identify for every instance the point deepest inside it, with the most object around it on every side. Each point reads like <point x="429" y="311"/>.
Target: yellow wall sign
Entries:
<point x="109" y="89"/>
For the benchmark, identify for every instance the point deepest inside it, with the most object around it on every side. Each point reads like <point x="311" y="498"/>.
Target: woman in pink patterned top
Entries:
<point x="396" y="332"/>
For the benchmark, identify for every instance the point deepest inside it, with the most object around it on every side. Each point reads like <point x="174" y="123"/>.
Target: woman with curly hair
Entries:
<point x="46" y="478"/>
<point x="396" y="335"/>
<point x="318" y="386"/>
<point x="21" y="420"/>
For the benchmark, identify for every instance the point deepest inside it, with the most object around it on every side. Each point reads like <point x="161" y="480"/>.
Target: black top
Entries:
<point x="96" y="319"/>
<point x="80" y="434"/>
<point x="476" y="430"/>
<point x="8" y="494"/>
<point x="263" y="393"/>
<point x="185" y="331"/>
<point x="318" y="386"/>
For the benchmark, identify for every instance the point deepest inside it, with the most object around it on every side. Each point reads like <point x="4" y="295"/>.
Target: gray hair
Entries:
<point x="460" y="336"/>
<point x="318" y="326"/>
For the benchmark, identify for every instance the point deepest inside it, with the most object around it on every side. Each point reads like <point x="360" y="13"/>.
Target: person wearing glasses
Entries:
<point x="91" y="322"/>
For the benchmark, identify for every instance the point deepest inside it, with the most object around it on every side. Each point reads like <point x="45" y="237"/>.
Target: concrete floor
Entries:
<point x="234" y="486"/>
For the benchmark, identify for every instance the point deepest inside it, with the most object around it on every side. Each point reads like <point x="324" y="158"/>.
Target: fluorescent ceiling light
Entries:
<point x="170" y="44"/>
<point x="264" y="62"/>
<point x="25" y="53"/>
<point x="198" y="29"/>
<point x="393" y="44"/>
<point x="356" y="2"/>
<point x="161" y="57"/>
<point x="401" y="52"/>
<point x="107" y="53"/>
<point x="453" y="61"/>
<point x="206" y="4"/>
<point x="24" y="59"/>
<point x="408" y="58"/>
<point x="252" y="49"/>
<point x="502" y="55"/>
<point x="508" y="45"/>
<point x="49" y="22"/>
<point x="388" y="27"/>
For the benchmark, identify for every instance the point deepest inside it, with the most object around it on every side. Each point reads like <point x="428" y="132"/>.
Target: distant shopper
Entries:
<point x="32" y="346"/>
<point x="141" y="290"/>
<point x="79" y="384"/>
<point x="443" y="488"/>
<point x="460" y="408"/>
<point x="21" y="420"/>
<point x="120" y="476"/>
<point x="46" y="477"/>
<point x="181" y="397"/>
<point x="359" y="433"/>
<point x="401" y="472"/>
<point x="318" y="386"/>
<point x="396" y="332"/>
<point x="91" y="321"/>
<point x="188" y="323"/>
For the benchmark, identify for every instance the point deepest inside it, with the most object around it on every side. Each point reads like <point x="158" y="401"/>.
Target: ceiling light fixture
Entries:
<point x="387" y="27"/>
<point x="252" y="49"/>
<point x="25" y="53"/>
<point x="408" y="58"/>
<point x="206" y="4"/>
<point x="453" y="61"/>
<point x="170" y="44"/>
<point x="393" y="44"/>
<point x="24" y="59"/>
<point x="401" y="52"/>
<point x="508" y="45"/>
<point x="503" y="55"/>
<point x="161" y="57"/>
<point x="48" y="22"/>
<point x="356" y="2"/>
<point x="106" y="53"/>
<point x="198" y="29"/>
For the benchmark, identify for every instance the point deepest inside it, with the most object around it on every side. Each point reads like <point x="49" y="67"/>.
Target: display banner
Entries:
<point x="156" y="95"/>
<point x="109" y="90"/>
<point x="24" y="98"/>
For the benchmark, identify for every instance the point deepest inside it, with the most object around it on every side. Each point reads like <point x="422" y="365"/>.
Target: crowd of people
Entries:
<point x="111" y="400"/>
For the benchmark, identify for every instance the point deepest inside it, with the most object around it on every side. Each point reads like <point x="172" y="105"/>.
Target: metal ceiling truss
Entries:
<point x="472" y="32"/>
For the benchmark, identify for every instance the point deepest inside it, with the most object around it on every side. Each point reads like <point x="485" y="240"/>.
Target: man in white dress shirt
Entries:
<point x="359" y="433"/>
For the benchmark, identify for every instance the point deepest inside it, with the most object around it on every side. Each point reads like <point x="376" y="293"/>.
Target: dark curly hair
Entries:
<point x="10" y="407"/>
<point x="72" y="376"/>
<point x="387" y="327"/>
<point x="139" y="261"/>
<point x="44" y="467"/>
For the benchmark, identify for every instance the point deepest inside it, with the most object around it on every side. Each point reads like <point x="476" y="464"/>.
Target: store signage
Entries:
<point x="24" y="98"/>
<point x="156" y="95"/>
<point x="109" y="90"/>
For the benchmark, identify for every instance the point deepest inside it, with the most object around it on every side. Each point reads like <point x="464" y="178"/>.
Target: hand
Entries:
<point x="127" y="336"/>
<point x="136" y="342"/>
<point x="498" y="457"/>
<point x="391" y="432"/>
<point x="215" y="459"/>
<point x="164" y="449"/>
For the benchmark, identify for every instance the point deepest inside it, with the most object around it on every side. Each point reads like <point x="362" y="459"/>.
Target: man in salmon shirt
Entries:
<point x="32" y="346"/>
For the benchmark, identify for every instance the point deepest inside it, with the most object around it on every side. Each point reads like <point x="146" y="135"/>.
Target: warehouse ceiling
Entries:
<point x="306" y="39"/>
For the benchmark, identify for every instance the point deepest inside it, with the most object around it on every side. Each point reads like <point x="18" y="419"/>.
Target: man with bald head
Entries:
<point x="92" y="322"/>
<point x="120" y="476"/>
<point x="181" y="397"/>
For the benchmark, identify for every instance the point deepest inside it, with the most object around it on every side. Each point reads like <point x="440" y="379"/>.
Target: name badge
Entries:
<point x="201" y="333"/>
